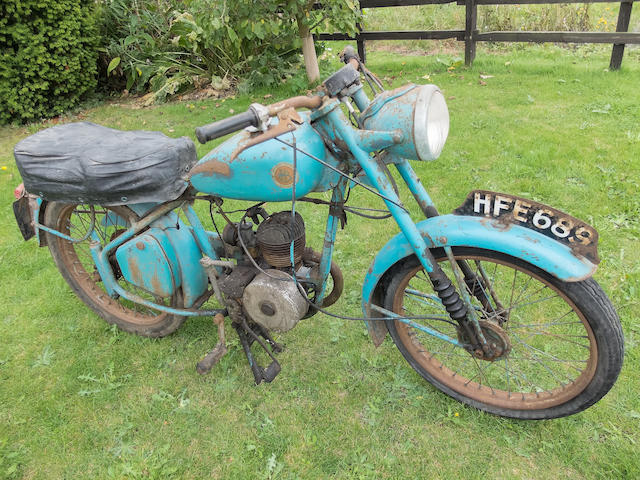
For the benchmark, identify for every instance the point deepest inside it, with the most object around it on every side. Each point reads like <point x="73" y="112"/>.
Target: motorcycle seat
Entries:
<point x="88" y="163"/>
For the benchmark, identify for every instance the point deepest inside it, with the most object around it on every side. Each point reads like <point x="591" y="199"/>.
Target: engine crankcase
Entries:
<point x="274" y="303"/>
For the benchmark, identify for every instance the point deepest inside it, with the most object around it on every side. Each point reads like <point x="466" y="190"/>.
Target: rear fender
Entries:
<point x="458" y="230"/>
<point x="38" y="215"/>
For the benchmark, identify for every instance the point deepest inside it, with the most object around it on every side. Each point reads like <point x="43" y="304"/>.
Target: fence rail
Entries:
<point x="470" y="35"/>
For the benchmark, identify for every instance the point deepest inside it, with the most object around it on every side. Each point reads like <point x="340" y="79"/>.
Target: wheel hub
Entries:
<point x="497" y="340"/>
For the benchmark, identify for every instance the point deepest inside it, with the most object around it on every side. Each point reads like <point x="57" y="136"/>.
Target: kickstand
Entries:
<point x="207" y="363"/>
<point x="264" y="333"/>
<point x="247" y="337"/>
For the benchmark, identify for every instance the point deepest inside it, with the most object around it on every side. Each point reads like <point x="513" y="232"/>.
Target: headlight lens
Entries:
<point x="431" y="123"/>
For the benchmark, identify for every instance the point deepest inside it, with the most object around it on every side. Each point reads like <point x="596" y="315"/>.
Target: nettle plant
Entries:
<point x="167" y="46"/>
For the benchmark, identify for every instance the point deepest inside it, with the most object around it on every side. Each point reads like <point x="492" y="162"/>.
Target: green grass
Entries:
<point x="595" y="17"/>
<point x="79" y="399"/>
<point x="587" y="17"/>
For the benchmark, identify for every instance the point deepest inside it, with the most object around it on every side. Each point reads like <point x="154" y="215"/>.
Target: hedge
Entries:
<point x="48" y="57"/>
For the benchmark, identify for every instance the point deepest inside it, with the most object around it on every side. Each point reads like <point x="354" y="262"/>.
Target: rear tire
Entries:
<point x="565" y="339"/>
<point x="77" y="268"/>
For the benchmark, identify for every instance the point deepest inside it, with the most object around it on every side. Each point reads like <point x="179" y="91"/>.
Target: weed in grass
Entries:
<point x="107" y="382"/>
<point x="11" y="459"/>
<point x="44" y="359"/>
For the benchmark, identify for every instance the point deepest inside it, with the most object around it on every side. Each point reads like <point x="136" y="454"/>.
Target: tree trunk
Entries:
<point x="309" y="52"/>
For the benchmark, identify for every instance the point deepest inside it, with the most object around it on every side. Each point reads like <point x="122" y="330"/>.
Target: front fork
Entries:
<point x="455" y="306"/>
<point x="464" y="274"/>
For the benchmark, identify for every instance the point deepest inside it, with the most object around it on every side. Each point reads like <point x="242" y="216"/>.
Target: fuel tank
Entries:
<point x="264" y="172"/>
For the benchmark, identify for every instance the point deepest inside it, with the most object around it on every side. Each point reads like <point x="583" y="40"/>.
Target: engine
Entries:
<point x="273" y="300"/>
<point x="270" y="298"/>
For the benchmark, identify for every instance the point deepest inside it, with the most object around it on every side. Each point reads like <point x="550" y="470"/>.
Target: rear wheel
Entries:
<point x="77" y="267"/>
<point x="561" y="343"/>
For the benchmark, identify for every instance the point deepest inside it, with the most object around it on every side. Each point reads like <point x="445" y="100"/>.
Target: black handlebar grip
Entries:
<point x="226" y="125"/>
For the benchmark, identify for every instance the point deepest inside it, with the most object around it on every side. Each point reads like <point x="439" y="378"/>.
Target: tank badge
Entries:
<point x="282" y="175"/>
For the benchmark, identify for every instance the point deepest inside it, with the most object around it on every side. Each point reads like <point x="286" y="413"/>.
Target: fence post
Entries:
<point x="623" y="26"/>
<point x="362" y="52"/>
<point x="471" y="20"/>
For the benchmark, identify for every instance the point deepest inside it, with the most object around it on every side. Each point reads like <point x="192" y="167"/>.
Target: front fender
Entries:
<point x="458" y="230"/>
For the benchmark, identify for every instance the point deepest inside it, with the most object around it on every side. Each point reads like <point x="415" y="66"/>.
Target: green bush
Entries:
<point x="168" y="46"/>
<point x="48" y="53"/>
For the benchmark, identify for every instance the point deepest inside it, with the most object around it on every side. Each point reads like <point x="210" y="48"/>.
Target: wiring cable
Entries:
<point x="341" y="173"/>
<point x="293" y="277"/>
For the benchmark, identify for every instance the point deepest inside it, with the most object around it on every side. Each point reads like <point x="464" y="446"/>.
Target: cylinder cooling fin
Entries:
<point x="274" y="237"/>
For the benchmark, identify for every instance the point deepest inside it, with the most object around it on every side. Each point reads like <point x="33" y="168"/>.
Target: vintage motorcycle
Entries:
<point x="493" y="304"/>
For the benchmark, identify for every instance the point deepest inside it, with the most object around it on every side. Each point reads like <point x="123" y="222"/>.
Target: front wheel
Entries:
<point x="561" y="343"/>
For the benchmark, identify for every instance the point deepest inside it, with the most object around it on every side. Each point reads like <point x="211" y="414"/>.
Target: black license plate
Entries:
<point x="581" y="237"/>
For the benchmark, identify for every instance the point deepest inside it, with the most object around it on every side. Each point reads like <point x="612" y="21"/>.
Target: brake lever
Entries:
<point x="289" y="119"/>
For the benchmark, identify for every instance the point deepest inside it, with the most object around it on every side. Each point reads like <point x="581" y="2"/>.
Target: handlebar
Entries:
<point x="255" y="116"/>
<point x="227" y="125"/>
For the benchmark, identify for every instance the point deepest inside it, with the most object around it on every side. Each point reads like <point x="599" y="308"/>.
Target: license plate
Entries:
<point x="24" y="216"/>
<point x="581" y="237"/>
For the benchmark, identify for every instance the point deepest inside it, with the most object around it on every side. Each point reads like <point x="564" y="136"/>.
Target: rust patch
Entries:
<point x="156" y="286"/>
<point x="134" y="271"/>
<point x="211" y="168"/>
<point x="295" y="102"/>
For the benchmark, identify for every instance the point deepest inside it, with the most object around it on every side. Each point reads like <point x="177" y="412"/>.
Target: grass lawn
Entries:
<point x="79" y="399"/>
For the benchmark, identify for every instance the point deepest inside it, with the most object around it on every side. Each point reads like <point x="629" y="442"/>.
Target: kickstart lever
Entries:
<point x="205" y="365"/>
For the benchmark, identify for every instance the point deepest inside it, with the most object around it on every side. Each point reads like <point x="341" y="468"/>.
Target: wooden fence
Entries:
<point x="470" y="35"/>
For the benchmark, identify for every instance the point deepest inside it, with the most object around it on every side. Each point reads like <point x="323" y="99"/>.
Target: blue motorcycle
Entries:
<point x="492" y="304"/>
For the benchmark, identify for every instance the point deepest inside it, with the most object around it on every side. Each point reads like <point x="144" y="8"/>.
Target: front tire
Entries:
<point x="76" y="266"/>
<point x="565" y="339"/>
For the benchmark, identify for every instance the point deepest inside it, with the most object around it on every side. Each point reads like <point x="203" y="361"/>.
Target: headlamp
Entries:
<point x="419" y="112"/>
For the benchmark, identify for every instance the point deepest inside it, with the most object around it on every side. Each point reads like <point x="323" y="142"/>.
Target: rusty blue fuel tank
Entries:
<point x="265" y="172"/>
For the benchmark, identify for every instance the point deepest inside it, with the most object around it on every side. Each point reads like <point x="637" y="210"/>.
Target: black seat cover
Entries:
<point x="88" y="163"/>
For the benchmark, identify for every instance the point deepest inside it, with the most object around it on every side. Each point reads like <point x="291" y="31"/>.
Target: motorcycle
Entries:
<point x="492" y="304"/>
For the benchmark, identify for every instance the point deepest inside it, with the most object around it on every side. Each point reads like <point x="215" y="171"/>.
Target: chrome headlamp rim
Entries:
<point x="424" y="143"/>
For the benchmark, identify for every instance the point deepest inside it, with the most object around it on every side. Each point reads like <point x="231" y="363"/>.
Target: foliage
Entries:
<point x="147" y="42"/>
<point x="336" y="15"/>
<point x="169" y="45"/>
<point x="47" y="57"/>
